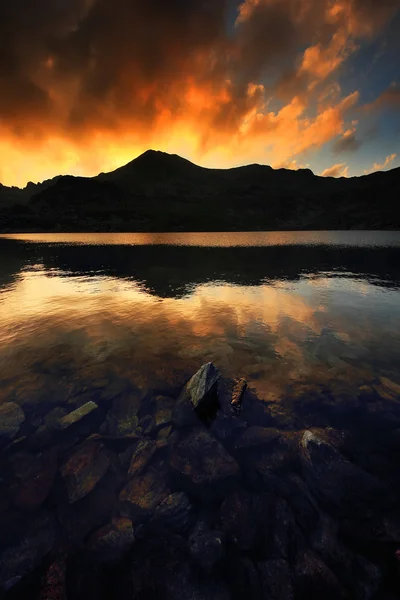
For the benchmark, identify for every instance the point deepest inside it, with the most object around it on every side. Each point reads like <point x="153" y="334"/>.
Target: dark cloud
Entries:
<point x="75" y="65"/>
<point x="347" y="143"/>
<point x="390" y="98"/>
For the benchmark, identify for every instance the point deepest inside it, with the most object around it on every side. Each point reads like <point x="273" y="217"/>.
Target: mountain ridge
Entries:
<point x="158" y="191"/>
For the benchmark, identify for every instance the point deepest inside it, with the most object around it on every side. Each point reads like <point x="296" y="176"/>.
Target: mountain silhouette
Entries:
<point x="165" y="192"/>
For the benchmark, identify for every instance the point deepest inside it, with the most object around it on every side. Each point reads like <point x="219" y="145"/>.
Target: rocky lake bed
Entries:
<point x="200" y="491"/>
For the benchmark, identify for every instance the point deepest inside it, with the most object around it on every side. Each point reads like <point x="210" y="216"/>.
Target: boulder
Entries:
<point x="239" y="520"/>
<point x="77" y="415"/>
<point x="175" y="512"/>
<point x="142" y="455"/>
<point x="206" y="546"/>
<point x="84" y="516"/>
<point x="342" y="487"/>
<point x="201" y="466"/>
<point x="11" y="418"/>
<point x="198" y="400"/>
<point x="36" y="484"/>
<point x="121" y="419"/>
<point x="355" y="573"/>
<point x="313" y="579"/>
<point x="111" y="542"/>
<point x="22" y="558"/>
<point x="276" y="580"/>
<point x="84" y="469"/>
<point x="254" y="437"/>
<point x="202" y="389"/>
<point x="142" y="494"/>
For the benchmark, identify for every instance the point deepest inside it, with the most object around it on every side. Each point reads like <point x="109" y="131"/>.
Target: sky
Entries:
<point x="88" y="85"/>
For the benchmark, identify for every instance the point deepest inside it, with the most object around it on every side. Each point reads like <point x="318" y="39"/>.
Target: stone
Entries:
<point x="238" y="391"/>
<point x="301" y="501"/>
<point x="253" y="437"/>
<point x="201" y="466"/>
<point x="53" y="584"/>
<point x="11" y="418"/>
<point x="207" y="547"/>
<point x="175" y="512"/>
<point x="244" y="579"/>
<point x="111" y="542"/>
<point x="282" y="538"/>
<point x="77" y="415"/>
<point x="84" y="469"/>
<point x="355" y="573"/>
<point x="391" y="385"/>
<point x="313" y="579"/>
<point x="239" y="520"/>
<point x="121" y="419"/>
<point x="342" y="487"/>
<point x="202" y="388"/>
<point x="276" y="580"/>
<point x="21" y="559"/>
<point x="36" y="484"/>
<point x="84" y="516"/>
<point x="142" y="494"/>
<point x="227" y="427"/>
<point x="142" y="455"/>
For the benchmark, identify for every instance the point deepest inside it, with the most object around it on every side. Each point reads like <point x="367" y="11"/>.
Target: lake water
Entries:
<point x="311" y="320"/>
<point x="275" y="308"/>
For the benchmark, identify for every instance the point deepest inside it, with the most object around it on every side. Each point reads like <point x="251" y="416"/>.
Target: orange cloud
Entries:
<point x="339" y="170"/>
<point x="386" y="163"/>
<point x="90" y="84"/>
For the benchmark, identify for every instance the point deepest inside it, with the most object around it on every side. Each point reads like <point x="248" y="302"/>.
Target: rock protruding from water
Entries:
<point x="11" y="418"/>
<point x="202" y="390"/>
<point x="84" y="469"/>
<point x="201" y="466"/>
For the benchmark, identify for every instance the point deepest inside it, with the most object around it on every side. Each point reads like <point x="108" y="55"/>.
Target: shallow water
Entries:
<point x="275" y="308"/>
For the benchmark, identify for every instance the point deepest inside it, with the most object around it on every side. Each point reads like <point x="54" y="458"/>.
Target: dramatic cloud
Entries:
<point x="88" y="84"/>
<point x="385" y="165"/>
<point x="339" y="170"/>
<point x="348" y="142"/>
<point x="390" y="98"/>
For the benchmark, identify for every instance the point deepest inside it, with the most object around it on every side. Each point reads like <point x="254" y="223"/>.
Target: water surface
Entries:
<point x="275" y="308"/>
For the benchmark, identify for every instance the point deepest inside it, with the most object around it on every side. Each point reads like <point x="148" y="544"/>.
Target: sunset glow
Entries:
<point x="89" y="85"/>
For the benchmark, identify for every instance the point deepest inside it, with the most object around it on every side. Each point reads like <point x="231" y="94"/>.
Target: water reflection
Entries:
<point x="275" y="314"/>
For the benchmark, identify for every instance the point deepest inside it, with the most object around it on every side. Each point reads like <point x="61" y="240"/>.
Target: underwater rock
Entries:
<point x="24" y="557"/>
<point x="175" y="512"/>
<point x="313" y="579"/>
<point x="342" y="487"/>
<point x="201" y="466"/>
<point x="11" y="418"/>
<point x="206" y="547"/>
<point x="76" y="415"/>
<point x="142" y="455"/>
<point x="36" y="484"/>
<point x="142" y="494"/>
<point x="276" y="580"/>
<point x="122" y="418"/>
<point x="240" y="521"/>
<point x="84" y="469"/>
<point x="110" y="542"/>
<point x="53" y="585"/>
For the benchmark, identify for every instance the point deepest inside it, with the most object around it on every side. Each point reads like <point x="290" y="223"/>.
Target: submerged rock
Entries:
<point x="23" y="558"/>
<point x="201" y="466"/>
<point x="341" y="486"/>
<point x="175" y="512"/>
<point x="36" y="484"/>
<point x="84" y="469"/>
<point x="53" y="585"/>
<point x="76" y="415"/>
<point x="142" y="455"/>
<point x="240" y="521"/>
<point x="207" y="547"/>
<point x="313" y="579"/>
<point x="276" y="580"/>
<point x="109" y="543"/>
<point x="142" y="494"/>
<point x="11" y="418"/>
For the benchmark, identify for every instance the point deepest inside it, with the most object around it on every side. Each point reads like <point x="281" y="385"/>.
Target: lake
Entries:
<point x="311" y="321"/>
<point x="275" y="308"/>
